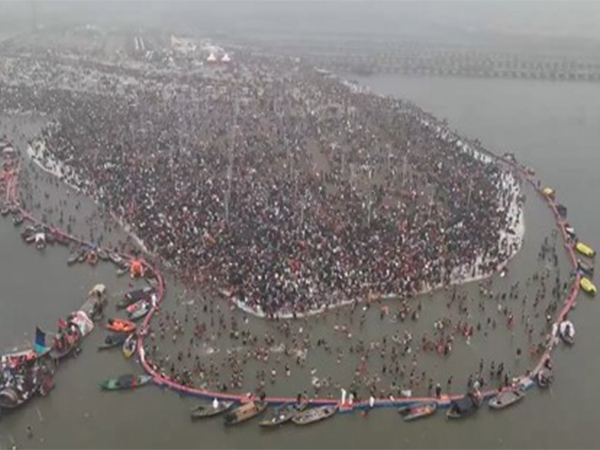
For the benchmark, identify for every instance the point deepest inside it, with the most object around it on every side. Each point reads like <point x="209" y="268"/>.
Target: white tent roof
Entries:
<point x="225" y="58"/>
<point x="211" y="57"/>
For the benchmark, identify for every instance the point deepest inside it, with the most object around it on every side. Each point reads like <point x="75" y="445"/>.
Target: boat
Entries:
<point x="544" y="377"/>
<point x="40" y="241"/>
<point x="69" y="343"/>
<point x="283" y="414"/>
<point x="125" y="382"/>
<point x="245" y="412"/>
<point x="92" y="258"/>
<point x="506" y="398"/>
<point x="587" y="285"/>
<point x="139" y="294"/>
<point x="4" y="211"/>
<point x="418" y="411"/>
<point x="82" y="255"/>
<point x="463" y="407"/>
<point x="75" y="256"/>
<point x="103" y="254"/>
<point x="210" y="410"/>
<point x="113" y="340"/>
<point x="120" y="325"/>
<point x="18" y="220"/>
<point x="134" y="296"/>
<point x="586" y="268"/>
<point x="585" y="250"/>
<point x="116" y="258"/>
<point x="566" y="331"/>
<point x="130" y="345"/>
<point x="11" y="398"/>
<point x="548" y="192"/>
<point x="141" y="309"/>
<point x="313" y="415"/>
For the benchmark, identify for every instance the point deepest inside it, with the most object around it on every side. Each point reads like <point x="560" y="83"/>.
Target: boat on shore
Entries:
<point x="418" y="411"/>
<point x="125" y="382"/>
<point x="316" y="414"/>
<point x="506" y="398"/>
<point x="283" y="414"/>
<point x="212" y="409"/>
<point x="245" y="412"/>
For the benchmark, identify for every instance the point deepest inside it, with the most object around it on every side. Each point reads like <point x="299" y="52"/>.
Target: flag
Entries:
<point x="40" y="341"/>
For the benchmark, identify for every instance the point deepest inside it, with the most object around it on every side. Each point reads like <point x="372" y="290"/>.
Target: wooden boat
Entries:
<point x="82" y="256"/>
<point x="586" y="268"/>
<point x="566" y="331"/>
<point x="139" y="294"/>
<point x="313" y="415"/>
<point x="113" y="340"/>
<point x="10" y="398"/>
<point x="585" y="250"/>
<point x="72" y="342"/>
<point x="463" y="407"/>
<point x="141" y="309"/>
<point x="18" y="220"/>
<point x="245" y="412"/>
<point x="210" y="410"/>
<point x="4" y="211"/>
<point x="587" y="286"/>
<point x="120" y="325"/>
<point x="283" y="414"/>
<point x="418" y="411"/>
<point x="125" y="382"/>
<point x="76" y="256"/>
<point x="548" y="192"/>
<point x="506" y="398"/>
<point x="116" y="258"/>
<point x="103" y="254"/>
<point x="544" y="377"/>
<point x="92" y="258"/>
<point x="130" y="345"/>
<point x="134" y="296"/>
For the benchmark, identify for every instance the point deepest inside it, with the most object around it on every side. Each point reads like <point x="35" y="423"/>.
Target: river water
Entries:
<point x="552" y="127"/>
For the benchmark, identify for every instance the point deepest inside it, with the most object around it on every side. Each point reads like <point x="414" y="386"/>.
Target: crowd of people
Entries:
<point x="292" y="191"/>
<point x="277" y="182"/>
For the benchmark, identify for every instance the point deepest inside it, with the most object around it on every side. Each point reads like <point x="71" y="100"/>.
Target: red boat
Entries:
<point x="120" y="326"/>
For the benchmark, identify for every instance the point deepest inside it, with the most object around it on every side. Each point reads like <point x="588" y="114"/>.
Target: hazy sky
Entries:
<point x="437" y="20"/>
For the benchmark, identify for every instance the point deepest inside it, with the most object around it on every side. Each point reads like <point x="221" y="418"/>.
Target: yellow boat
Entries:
<point x="588" y="286"/>
<point x="585" y="250"/>
<point x="548" y="191"/>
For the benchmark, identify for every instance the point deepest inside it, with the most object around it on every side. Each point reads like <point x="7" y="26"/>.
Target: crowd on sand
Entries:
<point x="292" y="191"/>
<point x="283" y="186"/>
